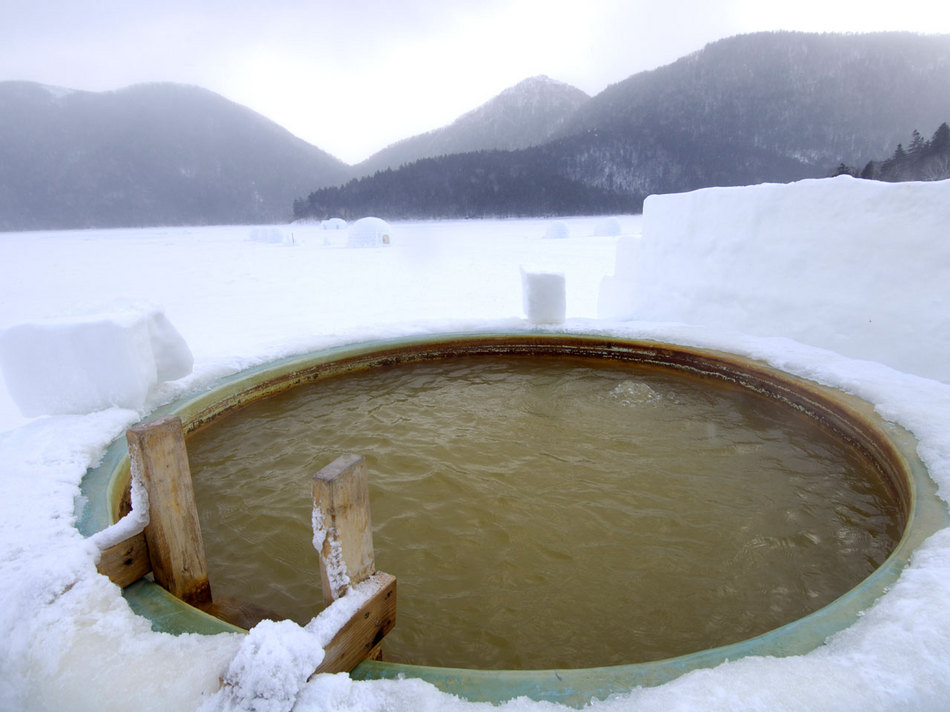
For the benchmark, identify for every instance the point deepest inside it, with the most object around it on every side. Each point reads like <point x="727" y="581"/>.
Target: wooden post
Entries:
<point x="343" y="537"/>
<point x="126" y="562"/>
<point x="175" y="546"/>
<point x="342" y="527"/>
<point x="361" y="636"/>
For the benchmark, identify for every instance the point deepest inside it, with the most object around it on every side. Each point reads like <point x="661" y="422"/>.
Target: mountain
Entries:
<point x="153" y="154"/>
<point x="771" y="106"/>
<point x="774" y="106"/>
<point x="527" y="114"/>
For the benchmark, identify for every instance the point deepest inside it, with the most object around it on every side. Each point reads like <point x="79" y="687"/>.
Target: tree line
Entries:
<point x="466" y="185"/>
<point x="561" y="178"/>
<point x="922" y="160"/>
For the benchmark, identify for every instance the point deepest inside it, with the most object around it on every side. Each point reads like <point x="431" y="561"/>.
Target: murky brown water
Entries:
<point x="545" y="513"/>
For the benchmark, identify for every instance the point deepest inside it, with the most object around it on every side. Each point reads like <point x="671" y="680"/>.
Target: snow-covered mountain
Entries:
<point x="763" y="107"/>
<point x="524" y="115"/>
<point x="156" y="154"/>
<point x="769" y="106"/>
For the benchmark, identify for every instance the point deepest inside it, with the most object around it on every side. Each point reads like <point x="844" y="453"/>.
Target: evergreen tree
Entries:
<point x="871" y="170"/>
<point x="923" y="160"/>
<point x="941" y="139"/>
<point x="844" y="169"/>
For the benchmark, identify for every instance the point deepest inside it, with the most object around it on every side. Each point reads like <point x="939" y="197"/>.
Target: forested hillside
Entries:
<point x="527" y="114"/>
<point x="156" y="154"/>
<point x="774" y="106"/>
<point x="478" y="184"/>
<point x="921" y="160"/>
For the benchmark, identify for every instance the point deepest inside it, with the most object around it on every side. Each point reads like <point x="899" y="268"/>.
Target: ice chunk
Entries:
<point x="89" y="363"/>
<point x="544" y="296"/>
<point x="631" y="393"/>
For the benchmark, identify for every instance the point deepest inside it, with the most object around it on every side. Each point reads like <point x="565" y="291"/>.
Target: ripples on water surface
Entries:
<point x="545" y="513"/>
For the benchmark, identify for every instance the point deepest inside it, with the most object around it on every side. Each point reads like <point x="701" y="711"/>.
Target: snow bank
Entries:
<point x="858" y="267"/>
<point x="87" y="363"/>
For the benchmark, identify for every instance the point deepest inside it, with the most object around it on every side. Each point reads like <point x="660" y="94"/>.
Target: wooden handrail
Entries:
<point x="171" y="546"/>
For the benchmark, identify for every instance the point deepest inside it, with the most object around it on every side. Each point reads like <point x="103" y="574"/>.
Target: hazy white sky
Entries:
<point x="352" y="76"/>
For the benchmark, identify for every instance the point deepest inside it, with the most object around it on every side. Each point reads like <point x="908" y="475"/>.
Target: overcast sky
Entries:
<point x="352" y="76"/>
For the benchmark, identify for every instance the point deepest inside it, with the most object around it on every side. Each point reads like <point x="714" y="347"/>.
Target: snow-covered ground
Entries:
<point x="839" y="280"/>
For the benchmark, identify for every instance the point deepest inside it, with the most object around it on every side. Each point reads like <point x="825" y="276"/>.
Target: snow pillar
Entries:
<point x="543" y="296"/>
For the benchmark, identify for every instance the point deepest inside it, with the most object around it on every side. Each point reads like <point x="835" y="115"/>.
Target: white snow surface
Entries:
<point x="84" y="363"/>
<point x="544" y="295"/>
<point x="271" y="234"/>
<point x="857" y="267"/>
<point x="71" y="643"/>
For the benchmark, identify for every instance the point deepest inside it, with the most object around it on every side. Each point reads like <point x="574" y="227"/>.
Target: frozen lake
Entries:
<point x="711" y="270"/>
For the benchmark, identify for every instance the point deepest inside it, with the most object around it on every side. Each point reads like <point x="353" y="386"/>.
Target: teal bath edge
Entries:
<point x="102" y="486"/>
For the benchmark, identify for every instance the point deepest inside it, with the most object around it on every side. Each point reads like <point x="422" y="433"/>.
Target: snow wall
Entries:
<point x="858" y="267"/>
<point x="82" y="364"/>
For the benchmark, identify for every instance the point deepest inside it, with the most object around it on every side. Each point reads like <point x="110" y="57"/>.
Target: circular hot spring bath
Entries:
<point x="568" y="516"/>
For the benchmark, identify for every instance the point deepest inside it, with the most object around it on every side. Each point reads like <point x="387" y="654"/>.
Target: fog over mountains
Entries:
<point x="775" y="106"/>
<point x="749" y="109"/>
<point x="151" y="154"/>
<point x="759" y="107"/>
<point x="527" y="114"/>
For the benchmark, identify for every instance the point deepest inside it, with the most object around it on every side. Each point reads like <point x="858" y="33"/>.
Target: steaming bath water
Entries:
<point x="549" y="512"/>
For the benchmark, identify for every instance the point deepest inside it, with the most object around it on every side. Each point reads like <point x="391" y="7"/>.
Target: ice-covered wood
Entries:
<point x="126" y="562"/>
<point x="175" y="546"/>
<point x="342" y="526"/>
<point x="360" y="637"/>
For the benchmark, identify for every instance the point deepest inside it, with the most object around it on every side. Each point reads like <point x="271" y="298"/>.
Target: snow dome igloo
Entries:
<point x="333" y="224"/>
<point x="370" y="232"/>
